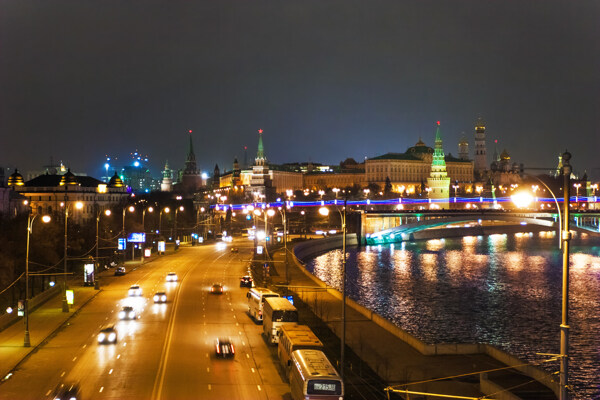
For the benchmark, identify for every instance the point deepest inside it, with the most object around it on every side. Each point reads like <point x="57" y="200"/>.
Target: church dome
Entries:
<point x="420" y="148"/>
<point x="115" y="181"/>
<point x="16" y="179"/>
<point x="68" y="178"/>
<point x="504" y="155"/>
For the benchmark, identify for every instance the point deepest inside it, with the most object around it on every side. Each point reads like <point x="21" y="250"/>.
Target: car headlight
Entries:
<point x="101" y="337"/>
<point x="112" y="337"/>
<point x="122" y="314"/>
<point x="155" y="298"/>
<point x="164" y="298"/>
<point x="132" y="314"/>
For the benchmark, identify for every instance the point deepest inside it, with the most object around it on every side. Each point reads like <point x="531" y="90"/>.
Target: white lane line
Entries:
<point x="209" y="387"/>
<point x="206" y="355"/>
<point x="247" y="355"/>
<point x="101" y="389"/>
<point x="243" y="343"/>
<point x="259" y="389"/>
<point x="124" y="344"/>
<point x="74" y="358"/>
<point x="84" y="346"/>
<point x="240" y="332"/>
<point x="63" y="374"/>
<point x="118" y="356"/>
<point x="207" y="369"/>
<point x="231" y="310"/>
<point x="110" y="372"/>
<point x="252" y="370"/>
<point x="48" y="392"/>
<point x="237" y="324"/>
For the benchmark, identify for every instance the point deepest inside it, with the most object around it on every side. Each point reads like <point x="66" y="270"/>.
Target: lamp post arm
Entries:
<point x="557" y="208"/>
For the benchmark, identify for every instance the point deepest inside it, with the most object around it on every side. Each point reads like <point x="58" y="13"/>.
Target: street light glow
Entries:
<point x="79" y="205"/>
<point x="522" y="199"/>
<point x="324" y="211"/>
<point x="46" y="219"/>
<point x="270" y="212"/>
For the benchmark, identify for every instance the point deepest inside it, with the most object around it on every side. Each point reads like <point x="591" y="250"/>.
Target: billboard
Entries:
<point x="137" y="237"/>
<point x="122" y="244"/>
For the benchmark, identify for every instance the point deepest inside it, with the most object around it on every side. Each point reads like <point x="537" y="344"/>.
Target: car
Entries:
<point x="216" y="288"/>
<point x="128" y="312"/>
<point x="107" y="335"/>
<point x="246" y="281"/>
<point x="135" y="290"/>
<point x="224" y="348"/>
<point x="119" y="271"/>
<point x="235" y="250"/>
<point x="171" y="277"/>
<point x="66" y="391"/>
<point x="160" y="297"/>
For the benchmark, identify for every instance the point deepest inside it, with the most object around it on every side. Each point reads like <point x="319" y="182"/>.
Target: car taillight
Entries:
<point x="232" y="349"/>
<point x="218" y="349"/>
<point x="260" y="313"/>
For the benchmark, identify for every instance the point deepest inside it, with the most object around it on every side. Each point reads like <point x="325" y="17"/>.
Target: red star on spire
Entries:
<point x="190" y="131"/>
<point x="260" y="131"/>
<point x="438" y="123"/>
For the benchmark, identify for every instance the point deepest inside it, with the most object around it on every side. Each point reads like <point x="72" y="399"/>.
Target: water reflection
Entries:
<point x="502" y="289"/>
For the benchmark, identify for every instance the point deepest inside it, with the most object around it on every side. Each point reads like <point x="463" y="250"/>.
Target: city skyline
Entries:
<point x="324" y="81"/>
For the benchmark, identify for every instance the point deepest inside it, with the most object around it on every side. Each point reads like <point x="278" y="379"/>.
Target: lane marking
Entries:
<point x="84" y="346"/>
<point x="209" y="387"/>
<point x="110" y="372"/>
<point x="247" y="355"/>
<point x="118" y="356"/>
<point x="101" y="389"/>
<point x="48" y="392"/>
<point x="259" y="389"/>
<point x="74" y="358"/>
<point x="63" y="374"/>
<point x="207" y="369"/>
<point x="243" y="343"/>
<point x="252" y="370"/>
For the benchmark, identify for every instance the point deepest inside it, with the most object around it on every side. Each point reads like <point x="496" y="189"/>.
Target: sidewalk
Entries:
<point x="395" y="361"/>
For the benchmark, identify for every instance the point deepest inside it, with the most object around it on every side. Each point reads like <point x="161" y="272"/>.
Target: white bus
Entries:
<point x="292" y="338"/>
<point x="313" y="377"/>
<point x="277" y="311"/>
<point x="256" y="298"/>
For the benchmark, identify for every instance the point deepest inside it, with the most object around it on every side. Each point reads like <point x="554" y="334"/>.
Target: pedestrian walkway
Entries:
<point x="397" y="362"/>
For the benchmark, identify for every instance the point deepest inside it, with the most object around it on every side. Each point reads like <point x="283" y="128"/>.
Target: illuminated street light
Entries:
<point x="180" y="208"/>
<point x="166" y="210"/>
<point x="78" y="206"/>
<point x="30" y="219"/>
<point x="96" y="280"/>
<point x="522" y="199"/>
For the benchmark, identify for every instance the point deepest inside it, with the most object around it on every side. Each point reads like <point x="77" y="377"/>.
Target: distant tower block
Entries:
<point x="480" y="150"/>
<point x="463" y="148"/>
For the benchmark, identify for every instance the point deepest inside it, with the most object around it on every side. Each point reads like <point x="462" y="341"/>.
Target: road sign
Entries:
<point x="259" y="249"/>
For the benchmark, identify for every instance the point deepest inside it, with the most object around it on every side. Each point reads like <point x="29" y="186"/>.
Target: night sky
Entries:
<point x="325" y="79"/>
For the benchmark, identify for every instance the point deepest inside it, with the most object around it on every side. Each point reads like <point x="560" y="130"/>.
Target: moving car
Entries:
<point x="235" y="250"/>
<point x="160" y="297"/>
<point x="128" y="312"/>
<point x="246" y="281"/>
<point x="224" y="348"/>
<point x="216" y="288"/>
<point x="135" y="290"/>
<point x="67" y="391"/>
<point x="171" y="277"/>
<point x="107" y="335"/>
<point x="119" y="271"/>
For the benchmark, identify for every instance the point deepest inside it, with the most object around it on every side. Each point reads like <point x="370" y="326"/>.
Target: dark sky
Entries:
<point x="325" y="79"/>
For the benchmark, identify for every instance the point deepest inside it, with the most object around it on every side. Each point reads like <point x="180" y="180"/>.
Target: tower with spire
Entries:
<point x="480" y="149"/>
<point x="191" y="180"/>
<point x="260" y="182"/>
<point x="463" y="148"/>
<point x="438" y="180"/>
<point x="166" y="185"/>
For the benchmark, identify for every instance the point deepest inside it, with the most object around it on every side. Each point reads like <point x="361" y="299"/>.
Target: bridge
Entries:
<point x="381" y="227"/>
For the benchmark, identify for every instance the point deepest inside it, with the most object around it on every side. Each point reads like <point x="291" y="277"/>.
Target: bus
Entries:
<point x="292" y="338"/>
<point x="256" y="298"/>
<point x="277" y="311"/>
<point x="313" y="377"/>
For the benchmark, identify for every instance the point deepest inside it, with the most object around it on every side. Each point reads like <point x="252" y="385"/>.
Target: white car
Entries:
<point x="160" y="297"/>
<point x="171" y="277"/>
<point x="107" y="335"/>
<point x="128" y="312"/>
<point x="135" y="291"/>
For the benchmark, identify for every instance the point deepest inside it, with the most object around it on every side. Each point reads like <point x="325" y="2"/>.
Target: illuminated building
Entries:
<point x="438" y="182"/>
<point x="190" y="178"/>
<point x="480" y="148"/>
<point x="166" y="184"/>
<point x="463" y="148"/>
<point x="47" y="194"/>
<point x="260" y="182"/>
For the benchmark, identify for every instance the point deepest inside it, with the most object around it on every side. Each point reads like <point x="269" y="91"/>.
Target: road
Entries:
<point x="168" y="353"/>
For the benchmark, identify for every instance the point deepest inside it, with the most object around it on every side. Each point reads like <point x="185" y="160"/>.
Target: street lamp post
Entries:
<point x="180" y="208"/>
<point x="30" y="219"/>
<point x="65" y="304"/>
<point x="564" y="326"/>
<point x="325" y="211"/>
<point x="96" y="280"/>
<point x="455" y="187"/>
<point x="166" y="210"/>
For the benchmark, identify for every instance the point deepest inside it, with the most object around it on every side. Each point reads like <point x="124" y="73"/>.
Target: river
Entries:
<point x="500" y="289"/>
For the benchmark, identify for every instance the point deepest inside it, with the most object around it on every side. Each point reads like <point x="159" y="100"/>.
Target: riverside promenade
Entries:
<point x="400" y="359"/>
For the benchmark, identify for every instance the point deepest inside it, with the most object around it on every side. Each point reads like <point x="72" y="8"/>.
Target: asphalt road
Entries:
<point x="168" y="353"/>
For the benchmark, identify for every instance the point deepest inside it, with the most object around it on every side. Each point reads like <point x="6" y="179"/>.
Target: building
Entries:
<point x="438" y="182"/>
<point x="47" y="194"/>
<point x="480" y="148"/>
<point x="190" y="178"/>
<point x="166" y="185"/>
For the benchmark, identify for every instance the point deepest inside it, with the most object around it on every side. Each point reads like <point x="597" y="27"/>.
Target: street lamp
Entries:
<point x="565" y="237"/>
<point x="455" y="187"/>
<point x="180" y="208"/>
<point x="30" y="219"/>
<point x="577" y="186"/>
<point x="150" y="210"/>
<point x="166" y="210"/>
<point x="325" y="211"/>
<point x="65" y="304"/>
<point x="96" y="280"/>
